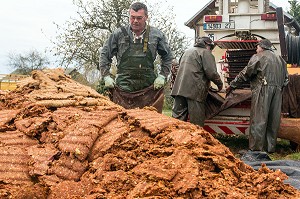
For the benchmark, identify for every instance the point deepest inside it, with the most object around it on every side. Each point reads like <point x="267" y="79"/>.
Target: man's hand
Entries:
<point x="229" y="90"/>
<point x="159" y="82"/>
<point x="109" y="82"/>
<point x="220" y="87"/>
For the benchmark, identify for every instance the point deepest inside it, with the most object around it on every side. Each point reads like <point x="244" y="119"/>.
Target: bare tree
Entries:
<point x="163" y="17"/>
<point x="81" y="38"/>
<point x="25" y="63"/>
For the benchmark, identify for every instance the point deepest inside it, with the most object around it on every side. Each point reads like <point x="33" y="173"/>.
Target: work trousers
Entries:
<point x="265" y="118"/>
<point x="186" y="109"/>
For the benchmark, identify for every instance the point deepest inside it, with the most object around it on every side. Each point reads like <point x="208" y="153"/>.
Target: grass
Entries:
<point x="293" y="156"/>
<point x="238" y="143"/>
<point x="167" y="112"/>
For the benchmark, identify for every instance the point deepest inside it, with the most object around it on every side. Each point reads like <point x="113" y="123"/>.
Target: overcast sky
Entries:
<point x="28" y="24"/>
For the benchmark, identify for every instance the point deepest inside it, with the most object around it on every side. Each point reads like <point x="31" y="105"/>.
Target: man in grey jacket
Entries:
<point x="136" y="46"/>
<point x="197" y="68"/>
<point x="268" y="75"/>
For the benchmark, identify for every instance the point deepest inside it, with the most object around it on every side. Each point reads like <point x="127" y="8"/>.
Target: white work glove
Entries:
<point x="109" y="82"/>
<point x="159" y="81"/>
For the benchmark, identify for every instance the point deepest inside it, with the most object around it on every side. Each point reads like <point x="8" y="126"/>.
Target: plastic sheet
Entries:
<point x="290" y="167"/>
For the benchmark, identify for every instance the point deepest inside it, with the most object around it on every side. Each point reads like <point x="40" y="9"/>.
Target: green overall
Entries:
<point x="136" y="67"/>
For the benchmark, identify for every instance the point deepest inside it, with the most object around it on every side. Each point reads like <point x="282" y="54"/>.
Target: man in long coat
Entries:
<point x="197" y="68"/>
<point x="267" y="74"/>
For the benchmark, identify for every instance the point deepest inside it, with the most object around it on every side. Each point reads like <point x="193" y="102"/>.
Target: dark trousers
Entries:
<point x="265" y="118"/>
<point x="184" y="109"/>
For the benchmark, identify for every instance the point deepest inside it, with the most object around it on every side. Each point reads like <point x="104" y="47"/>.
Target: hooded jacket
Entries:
<point x="267" y="74"/>
<point x="263" y="69"/>
<point x="197" y="67"/>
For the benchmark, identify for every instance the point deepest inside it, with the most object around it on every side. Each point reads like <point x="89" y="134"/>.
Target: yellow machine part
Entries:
<point x="293" y="70"/>
<point x="9" y="82"/>
<point x="8" y="85"/>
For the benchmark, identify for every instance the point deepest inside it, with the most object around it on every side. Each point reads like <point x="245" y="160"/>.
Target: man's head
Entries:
<point x="264" y="44"/>
<point x="138" y="15"/>
<point x="204" y="41"/>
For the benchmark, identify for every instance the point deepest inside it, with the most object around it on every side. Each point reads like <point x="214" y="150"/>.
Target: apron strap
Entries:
<point x="125" y="33"/>
<point x="146" y="39"/>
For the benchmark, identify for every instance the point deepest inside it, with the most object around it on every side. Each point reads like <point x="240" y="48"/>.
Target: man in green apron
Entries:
<point x="136" y="46"/>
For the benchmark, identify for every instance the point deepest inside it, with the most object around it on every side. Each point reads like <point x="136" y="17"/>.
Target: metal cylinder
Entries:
<point x="220" y="7"/>
<point x="261" y="8"/>
<point x="267" y="5"/>
<point x="243" y="6"/>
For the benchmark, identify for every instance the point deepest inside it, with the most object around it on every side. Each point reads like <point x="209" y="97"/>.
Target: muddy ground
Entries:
<point x="60" y="139"/>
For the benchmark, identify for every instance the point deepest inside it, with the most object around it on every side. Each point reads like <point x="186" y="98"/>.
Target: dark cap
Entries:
<point x="265" y="44"/>
<point x="207" y="40"/>
<point x="204" y="40"/>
